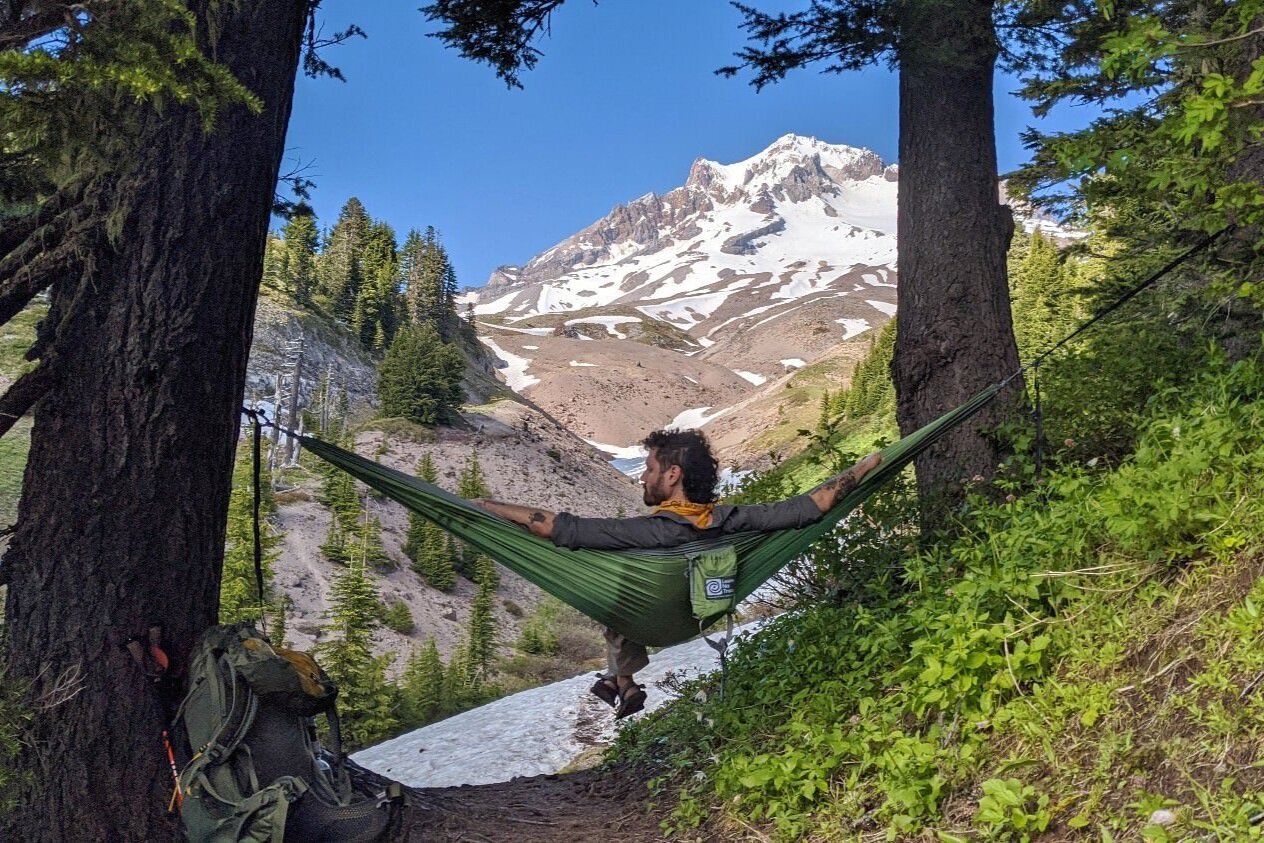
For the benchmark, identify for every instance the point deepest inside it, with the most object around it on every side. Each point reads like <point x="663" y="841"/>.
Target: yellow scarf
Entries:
<point x="698" y="513"/>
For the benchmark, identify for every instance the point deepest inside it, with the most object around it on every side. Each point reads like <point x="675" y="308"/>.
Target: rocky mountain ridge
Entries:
<point x="747" y="272"/>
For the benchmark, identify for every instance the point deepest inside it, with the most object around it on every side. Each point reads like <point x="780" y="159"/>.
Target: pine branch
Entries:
<point x="42" y="248"/>
<point x="21" y="280"/>
<point x="19" y="26"/>
<point x="23" y="394"/>
<point x="19" y="229"/>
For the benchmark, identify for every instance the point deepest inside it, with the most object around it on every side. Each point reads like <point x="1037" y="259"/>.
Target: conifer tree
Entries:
<point x="299" y="266"/>
<point x="471" y="483"/>
<point x="239" y="589"/>
<point x="458" y="680"/>
<point x="364" y="699"/>
<point x="429" y="282"/>
<point x="340" y="270"/>
<point x="1044" y="308"/>
<point x="823" y="420"/>
<point x="275" y="259"/>
<point x="420" y="379"/>
<point x="426" y="544"/>
<point x="375" y="316"/>
<point x="421" y="691"/>
<point x="482" y="629"/>
<point x="370" y="541"/>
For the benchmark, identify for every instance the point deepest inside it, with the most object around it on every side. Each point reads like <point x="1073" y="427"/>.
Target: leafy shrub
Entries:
<point x="882" y="705"/>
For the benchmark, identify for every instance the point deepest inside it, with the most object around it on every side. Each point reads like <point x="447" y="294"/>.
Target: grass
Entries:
<point x="16" y="336"/>
<point x="13" y="449"/>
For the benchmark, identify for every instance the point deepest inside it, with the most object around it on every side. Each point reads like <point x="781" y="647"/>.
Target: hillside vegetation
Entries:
<point x="1077" y="657"/>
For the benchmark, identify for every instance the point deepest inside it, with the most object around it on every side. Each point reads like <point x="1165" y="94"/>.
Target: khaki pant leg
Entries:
<point x="624" y="657"/>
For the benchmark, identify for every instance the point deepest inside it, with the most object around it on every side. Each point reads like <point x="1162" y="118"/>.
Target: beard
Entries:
<point x="652" y="496"/>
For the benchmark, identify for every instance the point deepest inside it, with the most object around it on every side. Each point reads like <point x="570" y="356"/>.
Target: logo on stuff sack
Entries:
<point x="718" y="587"/>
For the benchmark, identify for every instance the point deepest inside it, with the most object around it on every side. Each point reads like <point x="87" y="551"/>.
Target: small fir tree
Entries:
<point x="482" y="623"/>
<point x="365" y="697"/>
<point x="420" y="378"/>
<point x="239" y="587"/>
<point x="421" y="695"/>
<point x="426" y="543"/>
<point x="471" y="483"/>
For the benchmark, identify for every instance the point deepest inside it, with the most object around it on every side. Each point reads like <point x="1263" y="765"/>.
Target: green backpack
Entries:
<point x="257" y="771"/>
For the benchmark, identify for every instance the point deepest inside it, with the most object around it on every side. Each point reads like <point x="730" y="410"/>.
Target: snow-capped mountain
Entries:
<point x="748" y="269"/>
<point x="736" y="247"/>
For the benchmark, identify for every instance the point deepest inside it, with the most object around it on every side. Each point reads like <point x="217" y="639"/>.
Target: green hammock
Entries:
<point x="643" y="594"/>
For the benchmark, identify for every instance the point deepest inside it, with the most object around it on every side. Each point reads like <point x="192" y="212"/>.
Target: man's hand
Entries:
<point x="827" y="495"/>
<point x="538" y="521"/>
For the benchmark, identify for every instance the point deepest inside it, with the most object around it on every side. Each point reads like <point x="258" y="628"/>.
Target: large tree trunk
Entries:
<point x="123" y="510"/>
<point x="954" y="330"/>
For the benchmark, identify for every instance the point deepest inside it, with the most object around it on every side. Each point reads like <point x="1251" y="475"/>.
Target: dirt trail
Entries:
<point x="593" y="804"/>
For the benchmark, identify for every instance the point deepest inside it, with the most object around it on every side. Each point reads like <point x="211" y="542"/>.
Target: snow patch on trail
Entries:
<point x="531" y="733"/>
<point x="750" y="376"/>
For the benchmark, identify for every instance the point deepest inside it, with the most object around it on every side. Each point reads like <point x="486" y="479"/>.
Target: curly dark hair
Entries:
<point x="690" y="450"/>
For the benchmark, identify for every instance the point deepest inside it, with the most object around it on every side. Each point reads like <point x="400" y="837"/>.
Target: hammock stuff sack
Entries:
<point x="642" y="594"/>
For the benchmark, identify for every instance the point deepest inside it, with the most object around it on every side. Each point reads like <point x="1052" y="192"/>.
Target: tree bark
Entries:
<point x="125" y="496"/>
<point x="954" y="329"/>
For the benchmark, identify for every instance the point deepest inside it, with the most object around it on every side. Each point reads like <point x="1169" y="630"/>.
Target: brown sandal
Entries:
<point x="605" y="690"/>
<point x="630" y="702"/>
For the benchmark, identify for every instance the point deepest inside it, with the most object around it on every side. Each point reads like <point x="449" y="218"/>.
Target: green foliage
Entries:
<point x="340" y="269"/>
<point x="420" y="379"/>
<point x="871" y="391"/>
<point x="365" y="698"/>
<point x="1173" y="156"/>
<point x="429" y="282"/>
<point x="15" y="712"/>
<point x="539" y="630"/>
<point x="64" y="76"/>
<point x="421" y="694"/>
<point x="482" y="626"/>
<point x="471" y="483"/>
<point x="398" y="618"/>
<point x="1043" y="293"/>
<point x="239" y="588"/>
<point x="1011" y="810"/>
<point x="428" y="546"/>
<point x="1004" y="645"/>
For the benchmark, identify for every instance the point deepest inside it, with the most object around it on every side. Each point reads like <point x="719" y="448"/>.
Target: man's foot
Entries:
<point x="631" y="700"/>
<point x="605" y="690"/>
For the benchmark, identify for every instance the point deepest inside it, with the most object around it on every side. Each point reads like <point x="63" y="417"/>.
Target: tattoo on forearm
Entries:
<point x="537" y="517"/>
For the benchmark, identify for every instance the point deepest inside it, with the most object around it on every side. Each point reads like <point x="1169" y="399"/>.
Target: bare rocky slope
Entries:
<point x="525" y="455"/>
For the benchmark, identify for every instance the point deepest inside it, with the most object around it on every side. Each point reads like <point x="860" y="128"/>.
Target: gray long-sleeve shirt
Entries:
<point x="667" y="529"/>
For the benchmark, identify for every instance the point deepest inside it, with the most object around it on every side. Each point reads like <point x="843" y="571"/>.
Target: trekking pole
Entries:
<point x="177" y="795"/>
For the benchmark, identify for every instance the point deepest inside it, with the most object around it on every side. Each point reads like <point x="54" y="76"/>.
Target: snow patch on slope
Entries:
<point x="515" y="371"/>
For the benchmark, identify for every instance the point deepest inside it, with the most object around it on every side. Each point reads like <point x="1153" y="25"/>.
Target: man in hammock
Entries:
<point x="679" y="482"/>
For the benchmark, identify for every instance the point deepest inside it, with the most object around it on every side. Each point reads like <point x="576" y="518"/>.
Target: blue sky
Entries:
<point x="622" y="102"/>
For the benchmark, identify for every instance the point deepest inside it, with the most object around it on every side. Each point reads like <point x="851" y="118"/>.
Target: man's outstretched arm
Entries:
<point x="538" y="521"/>
<point x="833" y="490"/>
